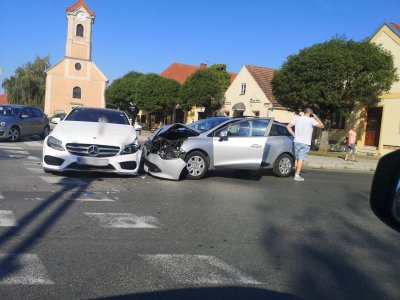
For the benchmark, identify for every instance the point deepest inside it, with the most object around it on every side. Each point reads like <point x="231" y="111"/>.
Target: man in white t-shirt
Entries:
<point x="304" y="127"/>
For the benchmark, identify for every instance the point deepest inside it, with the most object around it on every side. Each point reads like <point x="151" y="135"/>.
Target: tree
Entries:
<point x="156" y="94"/>
<point x="205" y="88"/>
<point x="334" y="77"/>
<point x="28" y="84"/>
<point x="121" y="91"/>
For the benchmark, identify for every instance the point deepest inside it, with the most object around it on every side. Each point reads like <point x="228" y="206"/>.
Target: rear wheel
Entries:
<point x="283" y="165"/>
<point x="196" y="165"/>
<point x="14" y="134"/>
<point x="45" y="133"/>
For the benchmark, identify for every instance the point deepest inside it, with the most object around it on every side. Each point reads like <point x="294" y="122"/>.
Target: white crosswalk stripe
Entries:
<point x="36" y="170"/>
<point x="13" y="152"/>
<point x="10" y="147"/>
<point x="124" y="220"/>
<point x="33" y="158"/>
<point x="22" y="269"/>
<point x="7" y="218"/>
<point x="63" y="180"/>
<point x="198" y="269"/>
<point x="34" y="144"/>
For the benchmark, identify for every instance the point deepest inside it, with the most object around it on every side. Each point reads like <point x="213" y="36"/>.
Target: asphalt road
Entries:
<point x="233" y="235"/>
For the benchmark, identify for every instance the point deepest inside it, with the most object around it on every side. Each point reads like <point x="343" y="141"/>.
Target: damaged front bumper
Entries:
<point x="163" y="168"/>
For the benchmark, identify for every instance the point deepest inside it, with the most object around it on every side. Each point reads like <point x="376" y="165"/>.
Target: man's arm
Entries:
<point x="289" y="128"/>
<point x="319" y="124"/>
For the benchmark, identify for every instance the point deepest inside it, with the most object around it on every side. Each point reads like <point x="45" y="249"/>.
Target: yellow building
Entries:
<point x="250" y="94"/>
<point x="76" y="80"/>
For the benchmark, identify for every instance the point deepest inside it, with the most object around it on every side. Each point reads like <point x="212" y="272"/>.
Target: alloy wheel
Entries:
<point x="285" y="165"/>
<point x="14" y="134"/>
<point x="195" y="166"/>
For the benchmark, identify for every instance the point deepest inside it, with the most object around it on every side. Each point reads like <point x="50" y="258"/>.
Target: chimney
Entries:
<point x="203" y="66"/>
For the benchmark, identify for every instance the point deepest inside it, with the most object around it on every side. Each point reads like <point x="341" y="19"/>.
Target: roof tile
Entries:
<point x="3" y="99"/>
<point x="263" y="77"/>
<point x="79" y="4"/>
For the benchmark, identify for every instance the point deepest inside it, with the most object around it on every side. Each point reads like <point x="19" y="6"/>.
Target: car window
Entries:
<point x="9" y="111"/>
<point x="27" y="112"/>
<point x="207" y="124"/>
<point x="98" y="115"/>
<point x="282" y="130"/>
<point x="37" y="113"/>
<point x="273" y="131"/>
<point x="240" y="129"/>
<point x="258" y="127"/>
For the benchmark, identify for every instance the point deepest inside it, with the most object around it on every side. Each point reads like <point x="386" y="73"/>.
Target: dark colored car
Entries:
<point x="20" y="120"/>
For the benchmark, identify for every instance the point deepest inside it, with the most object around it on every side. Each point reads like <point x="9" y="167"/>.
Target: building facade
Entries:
<point x="76" y="80"/>
<point x="250" y="94"/>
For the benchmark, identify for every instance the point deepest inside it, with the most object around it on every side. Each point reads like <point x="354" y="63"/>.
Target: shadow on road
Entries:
<point x="209" y="293"/>
<point x="9" y="264"/>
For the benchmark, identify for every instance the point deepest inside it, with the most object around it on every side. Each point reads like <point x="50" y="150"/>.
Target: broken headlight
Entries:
<point x="131" y="148"/>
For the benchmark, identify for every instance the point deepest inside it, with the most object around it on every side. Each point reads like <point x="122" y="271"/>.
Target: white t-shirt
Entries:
<point x="304" y="127"/>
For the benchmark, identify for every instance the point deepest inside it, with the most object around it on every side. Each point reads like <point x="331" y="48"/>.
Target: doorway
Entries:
<point x="373" y="131"/>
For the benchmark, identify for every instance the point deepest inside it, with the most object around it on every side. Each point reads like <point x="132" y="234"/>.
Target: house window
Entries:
<point x="78" y="66"/>
<point x="338" y="121"/>
<point x="79" y="30"/>
<point x="76" y="92"/>
<point x="256" y="113"/>
<point x="242" y="89"/>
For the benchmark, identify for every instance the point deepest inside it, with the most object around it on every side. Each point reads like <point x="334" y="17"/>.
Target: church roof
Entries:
<point x="81" y="3"/>
<point x="263" y="77"/>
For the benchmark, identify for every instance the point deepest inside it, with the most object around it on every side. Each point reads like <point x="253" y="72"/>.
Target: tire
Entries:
<point x="15" y="134"/>
<point x="45" y="133"/>
<point x="283" y="165"/>
<point x="196" y="165"/>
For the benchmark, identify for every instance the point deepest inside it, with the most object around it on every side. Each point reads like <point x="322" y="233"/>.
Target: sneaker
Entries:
<point x="298" y="178"/>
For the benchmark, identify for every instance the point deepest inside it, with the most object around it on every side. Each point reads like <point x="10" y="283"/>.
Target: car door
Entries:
<point x="38" y="120"/>
<point x="243" y="147"/>
<point x="26" y="123"/>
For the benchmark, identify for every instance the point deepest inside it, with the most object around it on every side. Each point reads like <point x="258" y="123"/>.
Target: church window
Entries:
<point x="76" y="92"/>
<point x="79" y="30"/>
<point x="78" y="66"/>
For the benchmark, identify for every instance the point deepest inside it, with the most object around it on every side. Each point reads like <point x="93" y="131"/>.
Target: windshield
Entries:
<point x="98" y="115"/>
<point x="207" y="124"/>
<point x="9" y="111"/>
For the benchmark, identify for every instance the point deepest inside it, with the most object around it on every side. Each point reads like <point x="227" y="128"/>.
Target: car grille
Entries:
<point x="82" y="150"/>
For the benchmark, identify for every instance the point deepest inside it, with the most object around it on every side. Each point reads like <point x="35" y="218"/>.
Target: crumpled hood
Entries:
<point x="166" y="129"/>
<point x="94" y="133"/>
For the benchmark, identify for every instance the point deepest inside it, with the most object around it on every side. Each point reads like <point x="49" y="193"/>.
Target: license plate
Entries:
<point x="98" y="162"/>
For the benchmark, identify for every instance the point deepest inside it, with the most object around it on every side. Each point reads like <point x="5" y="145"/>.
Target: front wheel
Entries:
<point x="45" y="133"/>
<point x="196" y="165"/>
<point x="283" y="165"/>
<point x="14" y="134"/>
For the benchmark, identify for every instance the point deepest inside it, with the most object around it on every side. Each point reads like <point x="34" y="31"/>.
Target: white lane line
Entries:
<point x="36" y="170"/>
<point x="63" y="180"/>
<point x="33" y="158"/>
<point x="22" y="269"/>
<point x="10" y="147"/>
<point x="198" y="269"/>
<point x="34" y="199"/>
<point x="34" y="144"/>
<point x="92" y="200"/>
<point x="17" y="152"/>
<point x="7" y="218"/>
<point x="123" y="220"/>
<point x="15" y="156"/>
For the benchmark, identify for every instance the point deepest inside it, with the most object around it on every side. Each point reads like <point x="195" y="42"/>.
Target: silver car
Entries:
<point x="19" y="120"/>
<point x="245" y="143"/>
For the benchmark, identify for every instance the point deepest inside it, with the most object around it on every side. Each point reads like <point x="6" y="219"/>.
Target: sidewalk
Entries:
<point x="337" y="163"/>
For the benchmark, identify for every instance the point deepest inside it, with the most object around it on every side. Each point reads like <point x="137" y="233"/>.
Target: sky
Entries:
<point x="149" y="35"/>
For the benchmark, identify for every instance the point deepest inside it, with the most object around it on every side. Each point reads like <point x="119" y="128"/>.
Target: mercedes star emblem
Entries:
<point x="93" y="150"/>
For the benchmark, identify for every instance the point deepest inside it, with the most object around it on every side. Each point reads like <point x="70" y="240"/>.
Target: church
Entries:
<point x="76" y="80"/>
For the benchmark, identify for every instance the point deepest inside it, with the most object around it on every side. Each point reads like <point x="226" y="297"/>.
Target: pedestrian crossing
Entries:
<point x="31" y="269"/>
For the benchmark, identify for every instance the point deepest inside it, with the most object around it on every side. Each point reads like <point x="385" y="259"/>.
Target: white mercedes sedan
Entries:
<point x="93" y="139"/>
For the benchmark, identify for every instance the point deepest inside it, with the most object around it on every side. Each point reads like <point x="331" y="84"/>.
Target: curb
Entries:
<point x="334" y="166"/>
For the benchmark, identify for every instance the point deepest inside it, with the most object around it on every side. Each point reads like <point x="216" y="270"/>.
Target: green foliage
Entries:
<point x="121" y="90"/>
<point x="205" y="88"/>
<point x="335" y="76"/>
<point x="156" y="94"/>
<point x="28" y="84"/>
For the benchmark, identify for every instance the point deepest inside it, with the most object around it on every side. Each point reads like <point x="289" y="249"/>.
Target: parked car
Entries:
<point x="20" y="120"/>
<point x="93" y="139"/>
<point x="245" y="143"/>
<point x="57" y="118"/>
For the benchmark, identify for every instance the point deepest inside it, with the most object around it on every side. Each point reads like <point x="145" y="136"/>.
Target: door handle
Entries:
<point x="255" y="146"/>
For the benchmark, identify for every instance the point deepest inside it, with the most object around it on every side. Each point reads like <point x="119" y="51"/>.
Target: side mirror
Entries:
<point x="385" y="192"/>
<point x="223" y="135"/>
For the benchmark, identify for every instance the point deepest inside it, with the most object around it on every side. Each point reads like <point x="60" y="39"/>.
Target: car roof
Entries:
<point x="19" y="106"/>
<point x="99" y="109"/>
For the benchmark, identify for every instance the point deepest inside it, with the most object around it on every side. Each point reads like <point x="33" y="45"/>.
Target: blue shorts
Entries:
<point x="301" y="151"/>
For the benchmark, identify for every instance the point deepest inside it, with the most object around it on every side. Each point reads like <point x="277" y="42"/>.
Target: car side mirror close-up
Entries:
<point x="223" y="135"/>
<point x="385" y="192"/>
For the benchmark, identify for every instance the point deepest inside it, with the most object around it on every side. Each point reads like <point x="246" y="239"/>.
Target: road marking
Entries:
<point x="7" y="219"/>
<point x="1" y="196"/>
<point x="63" y="180"/>
<point x="22" y="269"/>
<point x="198" y="269"/>
<point x="123" y="220"/>
<point x="11" y="147"/>
<point x="35" y="170"/>
<point x="34" y="199"/>
<point x="33" y="158"/>
<point x="15" y="156"/>
<point x="92" y="200"/>
<point x="34" y="144"/>
<point x="17" y="152"/>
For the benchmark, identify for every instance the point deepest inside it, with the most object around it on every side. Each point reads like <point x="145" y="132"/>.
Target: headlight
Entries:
<point x="2" y="124"/>
<point x="131" y="148"/>
<point x="54" y="143"/>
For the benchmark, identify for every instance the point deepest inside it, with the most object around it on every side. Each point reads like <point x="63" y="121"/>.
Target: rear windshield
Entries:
<point x="9" y="111"/>
<point x="207" y="124"/>
<point x="98" y="115"/>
